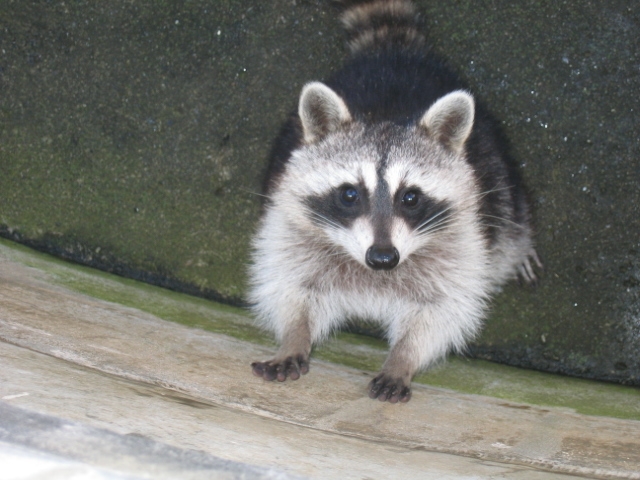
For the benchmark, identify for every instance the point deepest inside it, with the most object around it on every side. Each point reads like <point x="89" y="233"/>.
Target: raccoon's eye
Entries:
<point x="410" y="198"/>
<point x="349" y="196"/>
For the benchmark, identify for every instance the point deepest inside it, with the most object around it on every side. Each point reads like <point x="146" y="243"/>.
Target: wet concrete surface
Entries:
<point x="117" y="372"/>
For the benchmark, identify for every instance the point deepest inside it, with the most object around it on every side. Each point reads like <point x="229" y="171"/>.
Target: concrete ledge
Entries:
<point x="110" y="366"/>
<point x="59" y="449"/>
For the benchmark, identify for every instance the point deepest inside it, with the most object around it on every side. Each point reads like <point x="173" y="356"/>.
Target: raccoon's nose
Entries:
<point x="382" y="258"/>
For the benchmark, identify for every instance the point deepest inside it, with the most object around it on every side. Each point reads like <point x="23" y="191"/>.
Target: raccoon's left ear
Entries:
<point x="450" y="119"/>
<point x="321" y="111"/>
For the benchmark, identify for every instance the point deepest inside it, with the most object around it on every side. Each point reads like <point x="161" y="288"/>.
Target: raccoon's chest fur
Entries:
<point x="389" y="196"/>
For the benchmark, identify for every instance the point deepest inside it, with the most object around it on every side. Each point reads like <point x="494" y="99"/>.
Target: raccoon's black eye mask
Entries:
<point x="349" y="201"/>
<point x="420" y="210"/>
<point x="340" y="206"/>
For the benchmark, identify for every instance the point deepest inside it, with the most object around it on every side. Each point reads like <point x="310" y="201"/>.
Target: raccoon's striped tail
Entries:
<point x="372" y="24"/>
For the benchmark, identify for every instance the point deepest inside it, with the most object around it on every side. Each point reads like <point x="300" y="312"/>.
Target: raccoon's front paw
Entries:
<point x="526" y="271"/>
<point x="387" y="388"/>
<point x="291" y="367"/>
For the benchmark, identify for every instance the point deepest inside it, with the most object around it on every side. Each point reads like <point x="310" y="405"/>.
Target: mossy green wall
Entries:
<point x="133" y="136"/>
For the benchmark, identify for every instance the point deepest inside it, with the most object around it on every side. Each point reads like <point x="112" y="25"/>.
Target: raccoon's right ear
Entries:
<point x="450" y="120"/>
<point x="321" y="111"/>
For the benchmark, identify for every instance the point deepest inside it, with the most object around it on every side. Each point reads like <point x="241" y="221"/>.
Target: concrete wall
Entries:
<point x="133" y="136"/>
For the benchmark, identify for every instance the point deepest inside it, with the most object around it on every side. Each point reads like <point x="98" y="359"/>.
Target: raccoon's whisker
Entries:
<point x="421" y="227"/>
<point x="324" y="220"/>
<point x="328" y="224"/>
<point x="255" y="193"/>
<point x="428" y="221"/>
<point x="427" y="228"/>
<point x="503" y="219"/>
<point x="432" y="218"/>
<point x="487" y="192"/>
<point x="323" y="223"/>
<point x="434" y="231"/>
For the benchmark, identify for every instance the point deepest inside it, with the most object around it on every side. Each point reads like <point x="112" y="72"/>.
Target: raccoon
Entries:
<point x="389" y="197"/>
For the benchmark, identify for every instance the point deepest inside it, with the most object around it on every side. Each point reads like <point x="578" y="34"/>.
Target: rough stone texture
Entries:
<point x="132" y="136"/>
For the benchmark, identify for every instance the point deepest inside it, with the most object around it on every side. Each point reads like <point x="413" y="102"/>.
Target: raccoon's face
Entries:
<point x="381" y="193"/>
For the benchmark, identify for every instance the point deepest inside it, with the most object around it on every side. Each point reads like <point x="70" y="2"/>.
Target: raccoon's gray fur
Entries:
<point x="389" y="198"/>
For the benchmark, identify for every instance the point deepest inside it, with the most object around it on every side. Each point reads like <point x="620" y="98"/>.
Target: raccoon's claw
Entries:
<point x="291" y="367"/>
<point x="526" y="271"/>
<point x="264" y="370"/>
<point x="393" y="390"/>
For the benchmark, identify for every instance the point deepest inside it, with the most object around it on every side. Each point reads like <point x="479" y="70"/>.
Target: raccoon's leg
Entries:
<point x="419" y="336"/>
<point x="393" y="383"/>
<point x="292" y="359"/>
